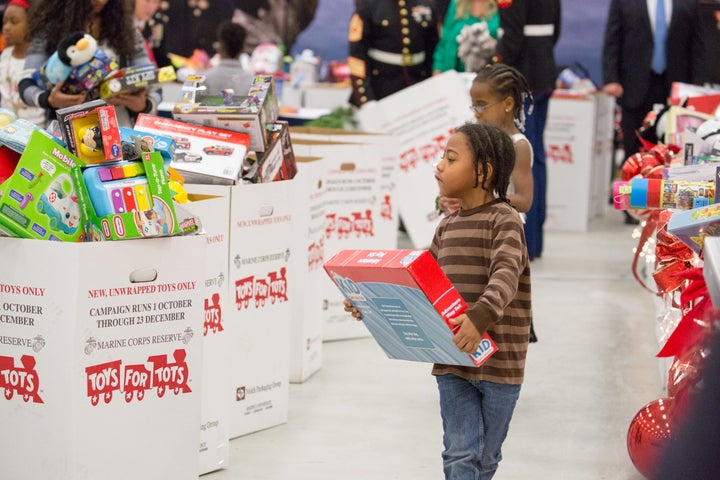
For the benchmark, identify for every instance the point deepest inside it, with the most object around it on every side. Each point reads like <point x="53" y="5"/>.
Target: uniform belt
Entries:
<point x="402" y="59"/>
<point x="544" y="30"/>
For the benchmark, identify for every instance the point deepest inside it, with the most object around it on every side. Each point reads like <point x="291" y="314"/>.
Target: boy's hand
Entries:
<point x="353" y="311"/>
<point x="467" y="337"/>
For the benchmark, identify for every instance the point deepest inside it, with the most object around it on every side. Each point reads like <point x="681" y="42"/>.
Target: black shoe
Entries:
<point x="630" y="220"/>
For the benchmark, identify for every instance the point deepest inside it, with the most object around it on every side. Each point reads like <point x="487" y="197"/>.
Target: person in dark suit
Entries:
<point x="531" y="29"/>
<point x="631" y="74"/>
<point x="391" y="45"/>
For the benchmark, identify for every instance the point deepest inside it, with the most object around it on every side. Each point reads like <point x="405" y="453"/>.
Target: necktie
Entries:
<point x="658" y="60"/>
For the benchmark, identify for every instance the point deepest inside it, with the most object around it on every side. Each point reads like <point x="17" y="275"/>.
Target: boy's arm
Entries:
<point x="508" y="260"/>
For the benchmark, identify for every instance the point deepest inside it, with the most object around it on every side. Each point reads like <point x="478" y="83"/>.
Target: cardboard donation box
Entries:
<point x="354" y="212"/>
<point x="306" y="262"/>
<point x="421" y="119"/>
<point x="406" y="301"/>
<point x="100" y="358"/>
<point x="211" y="203"/>
<point x="579" y="155"/>
<point x="258" y="323"/>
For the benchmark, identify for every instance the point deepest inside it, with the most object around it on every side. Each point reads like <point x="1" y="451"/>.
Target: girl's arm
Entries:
<point x="522" y="178"/>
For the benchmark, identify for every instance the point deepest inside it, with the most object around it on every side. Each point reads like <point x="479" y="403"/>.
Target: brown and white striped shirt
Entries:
<point x="483" y="253"/>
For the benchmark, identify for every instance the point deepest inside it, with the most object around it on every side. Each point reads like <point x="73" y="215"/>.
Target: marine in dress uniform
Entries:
<point x="391" y="46"/>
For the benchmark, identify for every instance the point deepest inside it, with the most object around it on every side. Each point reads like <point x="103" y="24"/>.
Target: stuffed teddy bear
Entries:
<point x="475" y="46"/>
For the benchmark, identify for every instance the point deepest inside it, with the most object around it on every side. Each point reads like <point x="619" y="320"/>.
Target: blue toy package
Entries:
<point x="119" y="188"/>
<point x="135" y="143"/>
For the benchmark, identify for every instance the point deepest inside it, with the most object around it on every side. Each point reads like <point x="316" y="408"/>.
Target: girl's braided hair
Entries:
<point x="508" y="82"/>
<point x="490" y="145"/>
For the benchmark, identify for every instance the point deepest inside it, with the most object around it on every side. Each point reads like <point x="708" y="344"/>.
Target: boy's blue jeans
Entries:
<point x="475" y="416"/>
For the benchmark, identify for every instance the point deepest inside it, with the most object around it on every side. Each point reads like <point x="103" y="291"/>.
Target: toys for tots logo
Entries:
<point x="134" y="380"/>
<point x="22" y="380"/>
<point x="272" y="288"/>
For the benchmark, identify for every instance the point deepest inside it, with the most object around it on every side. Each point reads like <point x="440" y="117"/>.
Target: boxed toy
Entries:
<point x="40" y="198"/>
<point x="204" y="154"/>
<point x="693" y="226"/>
<point x="406" y="302"/>
<point x="130" y="200"/>
<point x="248" y="113"/>
<point x="91" y="131"/>
<point x="135" y="143"/>
<point x="78" y="62"/>
<point x="134" y="78"/>
<point x="655" y="193"/>
<point x="277" y="162"/>
<point x="16" y="134"/>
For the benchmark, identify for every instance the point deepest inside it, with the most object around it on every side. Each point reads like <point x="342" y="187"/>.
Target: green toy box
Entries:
<point x="129" y="200"/>
<point x="40" y="198"/>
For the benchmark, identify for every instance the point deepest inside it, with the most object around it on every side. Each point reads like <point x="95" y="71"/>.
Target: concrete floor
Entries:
<point x="365" y="417"/>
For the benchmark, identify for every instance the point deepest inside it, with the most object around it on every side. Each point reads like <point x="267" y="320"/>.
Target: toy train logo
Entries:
<point x="22" y="380"/>
<point x="344" y="226"/>
<point x="428" y="153"/>
<point x="272" y="288"/>
<point x="316" y="254"/>
<point x="134" y="380"/>
<point x="213" y="315"/>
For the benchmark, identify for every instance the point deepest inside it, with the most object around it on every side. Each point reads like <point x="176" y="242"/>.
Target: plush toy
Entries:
<point x="475" y="46"/>
<point x="74" y="50"/>
<point x="265" y="59"/>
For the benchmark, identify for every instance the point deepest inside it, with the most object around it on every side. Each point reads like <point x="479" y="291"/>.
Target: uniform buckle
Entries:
<point x="407" y="60"/>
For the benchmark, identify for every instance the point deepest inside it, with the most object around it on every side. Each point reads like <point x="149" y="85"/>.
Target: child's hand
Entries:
<point x="353" y="311"/>
<point x="132" y="101"/>
<point x="58" y="99"/>
<point x="467" y="337"/>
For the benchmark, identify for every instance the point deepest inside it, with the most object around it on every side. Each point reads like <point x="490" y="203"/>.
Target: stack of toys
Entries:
<point x="93" y="186"/>
<point x="672" y="187"/>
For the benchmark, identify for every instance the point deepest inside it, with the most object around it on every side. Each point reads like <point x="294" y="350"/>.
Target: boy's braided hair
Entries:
<point x="491" y="145"/>
<point x="508" y="82"/>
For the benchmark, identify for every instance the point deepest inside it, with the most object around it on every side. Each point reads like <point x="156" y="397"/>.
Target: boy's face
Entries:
<point x="15" y="25"/>
<point x="455" y="174"/>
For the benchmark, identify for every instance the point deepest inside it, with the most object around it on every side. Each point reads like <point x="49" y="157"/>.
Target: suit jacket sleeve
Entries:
<point x="612" y="45"/>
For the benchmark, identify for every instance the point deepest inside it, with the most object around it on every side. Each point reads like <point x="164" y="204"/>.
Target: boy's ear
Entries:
<point x="490" y="172"/>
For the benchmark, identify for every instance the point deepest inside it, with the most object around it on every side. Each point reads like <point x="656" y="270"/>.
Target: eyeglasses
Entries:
<point x="481" y="108"/>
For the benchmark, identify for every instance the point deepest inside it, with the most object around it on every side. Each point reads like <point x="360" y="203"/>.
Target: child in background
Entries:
<point x="12" y="61"/>
<point x="229" y="73"/>
<point x="151" y="24"/>
<point x="498" y="95"/>
<point x="481" y="249"/>
<point x="110" y="23"/>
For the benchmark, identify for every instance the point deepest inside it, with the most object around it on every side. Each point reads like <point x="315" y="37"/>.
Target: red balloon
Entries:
<point x="650" y="432"/>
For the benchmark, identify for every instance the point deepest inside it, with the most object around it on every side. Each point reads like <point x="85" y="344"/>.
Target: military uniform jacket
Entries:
<point x="391" y="45"/>
<point x="531" y="29"/>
